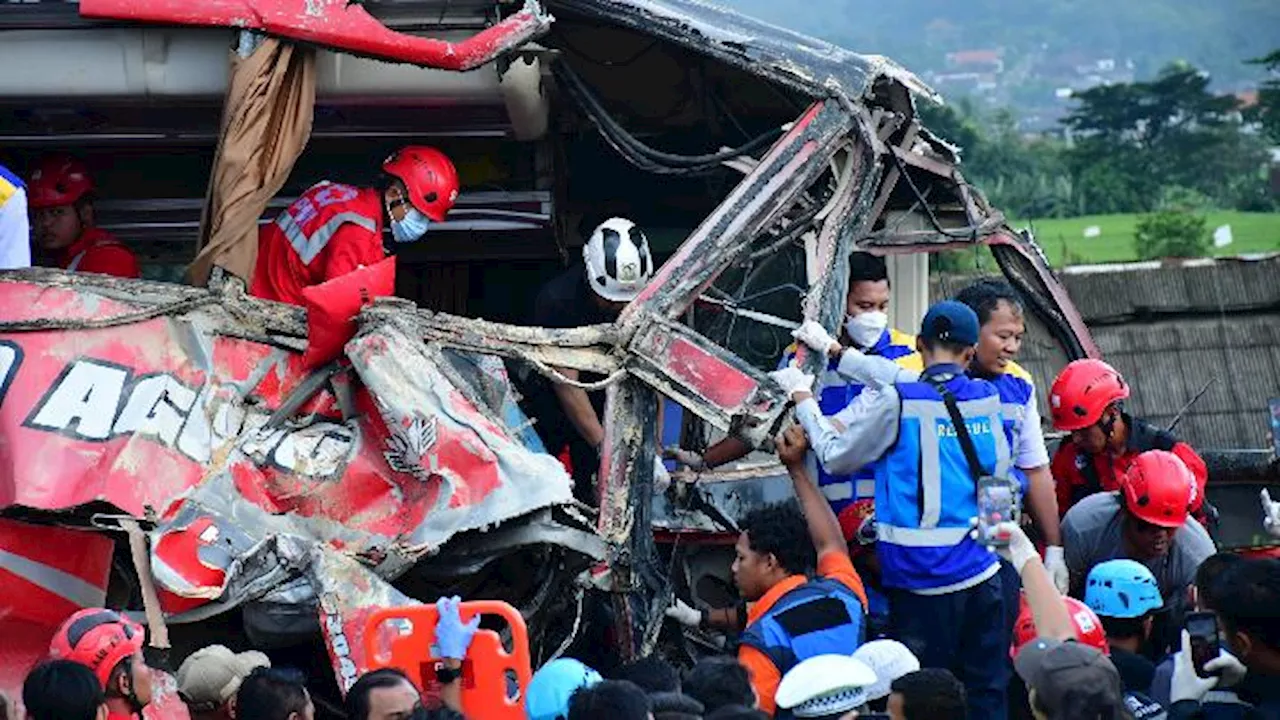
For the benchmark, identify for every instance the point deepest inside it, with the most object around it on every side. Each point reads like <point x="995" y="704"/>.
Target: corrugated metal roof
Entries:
<point x="1170" y="331"/>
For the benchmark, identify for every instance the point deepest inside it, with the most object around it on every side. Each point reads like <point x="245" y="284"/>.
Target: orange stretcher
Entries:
<point x="493" y="680"/>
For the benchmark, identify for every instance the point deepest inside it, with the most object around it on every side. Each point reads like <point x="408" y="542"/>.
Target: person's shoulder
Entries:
<point x="1195" y="539"/>
<point x="1015" y="370"/>
<point x="904" y="347"/>
<point x="10" y="184"/>
<point x="1093" y="511"/>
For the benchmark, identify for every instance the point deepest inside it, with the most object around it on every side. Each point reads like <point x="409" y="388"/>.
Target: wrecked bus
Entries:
<point x="163" y="447"/>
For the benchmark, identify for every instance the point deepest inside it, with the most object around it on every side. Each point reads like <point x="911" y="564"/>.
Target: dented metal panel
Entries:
<point x="334" y="24"/>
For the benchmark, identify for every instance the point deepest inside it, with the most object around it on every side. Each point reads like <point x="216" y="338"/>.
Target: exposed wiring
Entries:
<point x="635" y="151"/>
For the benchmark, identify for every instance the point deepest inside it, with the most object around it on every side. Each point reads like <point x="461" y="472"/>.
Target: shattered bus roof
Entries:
<point x="814" y="67"/>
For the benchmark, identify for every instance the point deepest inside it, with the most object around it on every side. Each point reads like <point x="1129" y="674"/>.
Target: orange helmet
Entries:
<point x="58" y="180"/>
<point x="428" y="175"/>
<point x="1159" y="489"/>
<point x="1082" y="391"/>
<point x="97" y="638"/>
<point x="1088" y="627"/>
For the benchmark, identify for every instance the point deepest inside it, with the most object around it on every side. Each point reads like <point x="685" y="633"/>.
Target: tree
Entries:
<point x="1131" y="139"/>
<point x="1268" y="108"/>
<point x="1178" y="227"/>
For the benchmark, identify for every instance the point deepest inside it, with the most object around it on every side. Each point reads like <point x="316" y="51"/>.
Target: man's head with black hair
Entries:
<point x="63" y="690"/>
<point x="1207" y="575"/>
<point x="719" y="681"/>
<point x="773" y="545"/>
<point x="274" y="694"/>
<point x="611" y="700"/>
<point x="1246" y="599"/>
<point x="1001" y="321"/>
<point x="736" y="712"/>
<point x="651" y="673"/>
<point x="928" y="694"/>
<point x="867" y="302"/>
<point x="383" y="694"/>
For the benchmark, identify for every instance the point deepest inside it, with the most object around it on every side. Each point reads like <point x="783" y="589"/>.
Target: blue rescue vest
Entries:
<point x="837" y="392"/>
<point x="925" y="493"/>
<point x="821" y="617"/>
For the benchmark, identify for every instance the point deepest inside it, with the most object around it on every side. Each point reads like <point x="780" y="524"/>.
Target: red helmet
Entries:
<point x="97" y="638"/>
<point x="428" y="175"/>
<point x="858" y="523"/>
<point x="1159" y="489"/>
<point x="1082" y="391"/>
<point x="58" y="180"/>
<point x="1088" y="627"/>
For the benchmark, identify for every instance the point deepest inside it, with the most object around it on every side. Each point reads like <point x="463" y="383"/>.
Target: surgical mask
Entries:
<point x="866" y="328"/>
<point x="411" y="228"/>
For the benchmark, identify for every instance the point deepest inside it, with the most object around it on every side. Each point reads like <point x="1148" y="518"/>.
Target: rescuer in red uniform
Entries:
<point x="1085" y="400"/>
<point x="332" y="229"/>
<point x="60" y="195"/>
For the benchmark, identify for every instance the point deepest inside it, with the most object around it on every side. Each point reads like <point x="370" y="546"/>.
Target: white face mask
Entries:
<point x="411" y="228"/>
<point x="866" y="328"/>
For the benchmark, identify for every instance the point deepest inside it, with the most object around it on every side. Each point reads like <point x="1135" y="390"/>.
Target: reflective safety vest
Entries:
<point x="925" y="492"/>
<point x="837" y="392"/>
<point x="820" y="617"/>
<point x="1016" y="390"/>
<point x="293" y="250"/>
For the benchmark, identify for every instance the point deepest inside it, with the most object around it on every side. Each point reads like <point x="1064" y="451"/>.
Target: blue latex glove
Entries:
<point x="453" y="636"/>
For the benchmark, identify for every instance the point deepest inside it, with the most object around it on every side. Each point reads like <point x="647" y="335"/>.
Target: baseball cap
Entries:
<point x="889" y="660"/>
<point x="211" y="675"/>
<point x="1070" y="680"/>
<point x="825" y="685"/>
<point x="950" y="321"/>
<point x="547" y="696"/>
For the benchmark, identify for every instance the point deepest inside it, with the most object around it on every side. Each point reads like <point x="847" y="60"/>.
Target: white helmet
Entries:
<point x="618" y="260"/>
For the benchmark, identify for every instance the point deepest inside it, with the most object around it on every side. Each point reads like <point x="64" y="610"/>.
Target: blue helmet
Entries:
<point x="547" y="697"/>
<point x="1122" y="589"/>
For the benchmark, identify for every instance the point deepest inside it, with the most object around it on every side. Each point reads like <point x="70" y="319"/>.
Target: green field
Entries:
<point x="1252" y="233"/>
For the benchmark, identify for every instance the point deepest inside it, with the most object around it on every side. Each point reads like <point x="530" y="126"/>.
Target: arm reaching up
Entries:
<point x="824" y="528"/>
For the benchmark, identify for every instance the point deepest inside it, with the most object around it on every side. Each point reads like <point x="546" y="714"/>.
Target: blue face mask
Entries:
<point x="411" y="228"/>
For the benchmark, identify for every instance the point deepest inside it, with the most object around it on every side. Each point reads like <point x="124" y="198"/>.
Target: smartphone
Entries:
<point x="1205" y="643"/>
<point x="997" y="503"/>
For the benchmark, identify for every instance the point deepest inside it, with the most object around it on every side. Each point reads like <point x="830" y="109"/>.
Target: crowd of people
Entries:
<point x="882" y="590"/>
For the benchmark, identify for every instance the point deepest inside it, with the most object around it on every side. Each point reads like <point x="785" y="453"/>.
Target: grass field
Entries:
<point x="1252" y="233"/>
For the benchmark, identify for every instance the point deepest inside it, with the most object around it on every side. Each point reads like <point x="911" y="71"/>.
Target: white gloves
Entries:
<point x="687" y="458"/>
<point x="1056" y="563"/>
<point x="661" y="478"/>
<point x="1020" y="549"/>
<point x="815" y="336"/>
<point x="792" y="380"/>
<point x="681" y="612"/>
<point x="1270" y="514"/>
<point x="1186" y="684"/>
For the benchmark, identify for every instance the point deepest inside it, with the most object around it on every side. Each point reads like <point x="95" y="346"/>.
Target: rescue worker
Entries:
<point x="792" y="617"/>
<point x="946" y="597"/>
<point x="110" y="646"/>
<point x="1124" y="595"/>
<point x="15" y="231"/>
<point x="616" y="265"/>
<point x="1149" y="521"/>
<point x="60" y="194"/>
<point x="1086" y="400"/>
<point x="333" y="229"/>
<point x="1001" y="317"/>
<point x="866" y="328"/>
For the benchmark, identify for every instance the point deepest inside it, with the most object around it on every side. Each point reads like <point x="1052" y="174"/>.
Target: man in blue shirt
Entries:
<point x="946" y="597"/>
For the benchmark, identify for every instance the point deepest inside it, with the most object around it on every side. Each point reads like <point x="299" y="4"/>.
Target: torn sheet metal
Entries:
<point x="791" y="59"/>
<point x="172" y="415"/>
<point x="334" y="24"/>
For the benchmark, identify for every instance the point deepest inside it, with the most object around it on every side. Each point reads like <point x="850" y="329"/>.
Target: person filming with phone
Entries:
<point x="932" y="444"/>
<point x="1246" y="622"/>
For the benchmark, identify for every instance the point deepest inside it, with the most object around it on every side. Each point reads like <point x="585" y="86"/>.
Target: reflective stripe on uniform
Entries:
<point x="308" y="247"/>
<point x="920" y="537"/>
<point x="63" y="584"/>
<point x="929" y="412"/>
